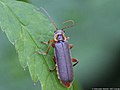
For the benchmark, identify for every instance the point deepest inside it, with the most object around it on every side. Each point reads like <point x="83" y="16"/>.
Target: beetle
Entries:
<point x="62" y="55"/>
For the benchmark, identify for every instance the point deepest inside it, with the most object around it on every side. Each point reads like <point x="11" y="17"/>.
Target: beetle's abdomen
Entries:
<point x="64" y="62"/>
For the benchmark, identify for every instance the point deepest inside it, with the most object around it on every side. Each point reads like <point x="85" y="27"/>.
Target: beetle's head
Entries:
<point x="59" y="35"/>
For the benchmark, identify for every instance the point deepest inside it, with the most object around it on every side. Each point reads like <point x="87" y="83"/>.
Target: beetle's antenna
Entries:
<point x="73" y="23"/>
<point x="50" y="18"/>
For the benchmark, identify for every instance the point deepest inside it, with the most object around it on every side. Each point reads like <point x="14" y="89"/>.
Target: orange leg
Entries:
<point x="44" y="53"/>
<point x="48" y="48"/>
<point x="54" y="59"/>
<point x="53" y="45"/>
<point x="48" y="42"/>
<point x="75" y="60"/>
<point x="70" y="46"/>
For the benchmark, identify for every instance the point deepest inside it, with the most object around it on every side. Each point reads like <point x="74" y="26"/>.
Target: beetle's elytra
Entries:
<point x="62" y="54"/>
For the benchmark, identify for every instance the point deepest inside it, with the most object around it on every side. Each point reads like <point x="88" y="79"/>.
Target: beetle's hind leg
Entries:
<point x="75" y="60"/>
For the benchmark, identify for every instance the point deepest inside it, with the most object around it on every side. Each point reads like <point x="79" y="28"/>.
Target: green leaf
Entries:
<point x="25" y="28"/>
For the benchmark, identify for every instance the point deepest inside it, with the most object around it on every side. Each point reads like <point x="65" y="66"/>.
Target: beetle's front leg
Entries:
<point x="47" y="43"/>
<point x="75" y="60"/>
<point x="44" y="53"/>
<point x="48" y="48"/>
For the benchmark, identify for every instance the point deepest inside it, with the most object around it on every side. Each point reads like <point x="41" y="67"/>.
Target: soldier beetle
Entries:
<point x="62" y="54"/>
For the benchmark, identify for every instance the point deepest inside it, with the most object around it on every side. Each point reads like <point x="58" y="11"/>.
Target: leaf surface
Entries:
<point x="25" y="28"/>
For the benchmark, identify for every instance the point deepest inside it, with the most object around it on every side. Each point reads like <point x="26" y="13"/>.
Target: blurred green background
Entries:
<point x="96" y="39"/>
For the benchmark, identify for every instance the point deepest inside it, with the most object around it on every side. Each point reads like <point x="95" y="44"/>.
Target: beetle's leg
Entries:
<point x="52" y="41"/>
<point x="74" y="60"/>
<point x="44" y="53"/>
<point x="48" y="48"/>
<point x="53" y="45"/>
<point x="48" y="42"/>
<point x="54" y="59"/>
<point x="70" y="46"/>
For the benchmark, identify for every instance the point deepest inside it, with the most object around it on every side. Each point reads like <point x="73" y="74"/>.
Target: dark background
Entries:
<point x="96" y="39"/>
